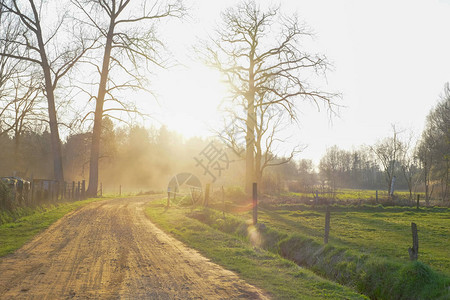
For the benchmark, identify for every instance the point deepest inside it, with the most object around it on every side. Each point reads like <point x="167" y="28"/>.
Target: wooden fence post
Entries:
<point x="58" y="190"/>
<point x="376" y="196"/>
<point x="418" y="199"/>
<point x="83" y="189"/>
<point x="206" y="195"/>
<point x="255" y="204"/>
<point x="223" y="202"/>
<point x="414" y="251"/>
<point x="32" y="190"/>
<point x="79" y="190"/>
<point x="52" y="189"/>
<point x="168" y="196"/>
<point x="327" y="226"/>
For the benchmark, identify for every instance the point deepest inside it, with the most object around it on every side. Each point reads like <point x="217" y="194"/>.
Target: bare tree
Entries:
<point x="329" y="167"/>
<point x="388" y="152"/>
<point x="269" y="123"/>
<point x="41" y="44"/>
<point x="271" y="120"/>
<point x="126" y="33"/>
<point x="307" y="175"/>
<point x="425" y="156"/>
<point x="19" y="89"/>
<point x="19" y="107"/>
<point x="434" y="151"/>
<point x="8" y="69"/>
<point x="261" y="55"/>
<point x="408" y="164"/>
<point x="25" y="108"/>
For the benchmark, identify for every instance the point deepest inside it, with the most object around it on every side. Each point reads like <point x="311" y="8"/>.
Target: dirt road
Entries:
<point x="110" y="250"/>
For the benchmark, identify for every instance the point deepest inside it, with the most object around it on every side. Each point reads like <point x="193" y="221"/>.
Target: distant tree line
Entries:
<point x="433" y="149"/>
<point x="350" y="169"/>
<point x="99" y="52"/>
<point x="420" y="165"/>
<point x="138" y="157"/>
<point x="53" y="51"/>
<point x="132" y="156"/>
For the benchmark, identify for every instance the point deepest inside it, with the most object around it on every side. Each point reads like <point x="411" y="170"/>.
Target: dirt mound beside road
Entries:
<point x="110" y="250"/>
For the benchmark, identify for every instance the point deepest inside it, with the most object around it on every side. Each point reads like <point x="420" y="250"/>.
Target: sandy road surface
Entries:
<point x="110" y="250"/>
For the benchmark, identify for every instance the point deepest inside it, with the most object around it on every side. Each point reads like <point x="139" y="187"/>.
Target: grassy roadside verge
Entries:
<point x="15" y="234"/>
<point x="281" y="278"/>
<point x="375" y="276"/>
<point x="378" y="230"/>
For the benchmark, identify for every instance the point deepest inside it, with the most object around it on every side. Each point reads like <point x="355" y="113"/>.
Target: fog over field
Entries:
<point x="242" y="149"/>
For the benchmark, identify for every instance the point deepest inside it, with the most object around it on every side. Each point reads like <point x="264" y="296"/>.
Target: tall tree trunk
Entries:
<point x="97" y="130"/>
<point x="427" y="197"/>
<point x="16" y="150"/>
<point x="258" y="170"/>
<point x="251" y="125"/>
<point x="250" y="145"/>
<point x="49" y="90"/>
<point x="389" y="183"/>
<point x="54" y="133"/>
<point x="445" y="196"/>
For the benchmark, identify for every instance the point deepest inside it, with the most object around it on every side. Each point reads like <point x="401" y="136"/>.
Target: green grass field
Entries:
<point x="385" y="232"/>
<point x="354" y="194"/>
<point x="367" y="249"/>
<point x="281" y="278"/>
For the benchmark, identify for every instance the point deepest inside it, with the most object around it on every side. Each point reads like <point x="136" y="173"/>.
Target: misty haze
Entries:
<point x="238" y="149"/>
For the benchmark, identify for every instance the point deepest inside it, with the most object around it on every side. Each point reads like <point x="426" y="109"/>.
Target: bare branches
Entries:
<point x="389" y="152"/>
<point x="39" y="44"/>
<point x="127" y="37"/>
<point x="19" y="87"/>
<point x="249" y="48"/>
<point x="21" y="107"/>
<point x="72" y="57"/>
<point x="260" y="53"/>
<point x="30" y="44"/>
<point x="171" y="10"/>
<point x="125" y="30"/>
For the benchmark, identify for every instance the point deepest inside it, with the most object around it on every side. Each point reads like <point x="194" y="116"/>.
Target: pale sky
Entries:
<point x="391" y="60"/>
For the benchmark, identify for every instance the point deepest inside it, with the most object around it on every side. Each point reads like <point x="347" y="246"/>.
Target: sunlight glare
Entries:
<point x="190" y="98"/>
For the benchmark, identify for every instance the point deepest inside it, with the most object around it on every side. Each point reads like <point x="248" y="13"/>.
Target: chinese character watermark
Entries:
<point x="213" y="160"/>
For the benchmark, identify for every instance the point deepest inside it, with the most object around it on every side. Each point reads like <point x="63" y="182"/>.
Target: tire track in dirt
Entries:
<point x="110" y="250"/>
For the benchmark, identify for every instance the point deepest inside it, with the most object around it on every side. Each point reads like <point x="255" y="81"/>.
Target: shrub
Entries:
<point x="416" y="280"/>
<point x="5" y="196"/>
<point x="378" y="278"/>
<point x="272" y="184"/>
<point x="235" y="194"/>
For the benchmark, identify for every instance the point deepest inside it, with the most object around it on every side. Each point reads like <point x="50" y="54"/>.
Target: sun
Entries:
<point x="189" y="98"/>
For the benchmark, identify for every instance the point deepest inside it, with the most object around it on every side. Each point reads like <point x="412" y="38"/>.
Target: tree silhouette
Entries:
<point x="126" y="33"/>
<point x="260" y="53"/>
<point x="41" y="45"/>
